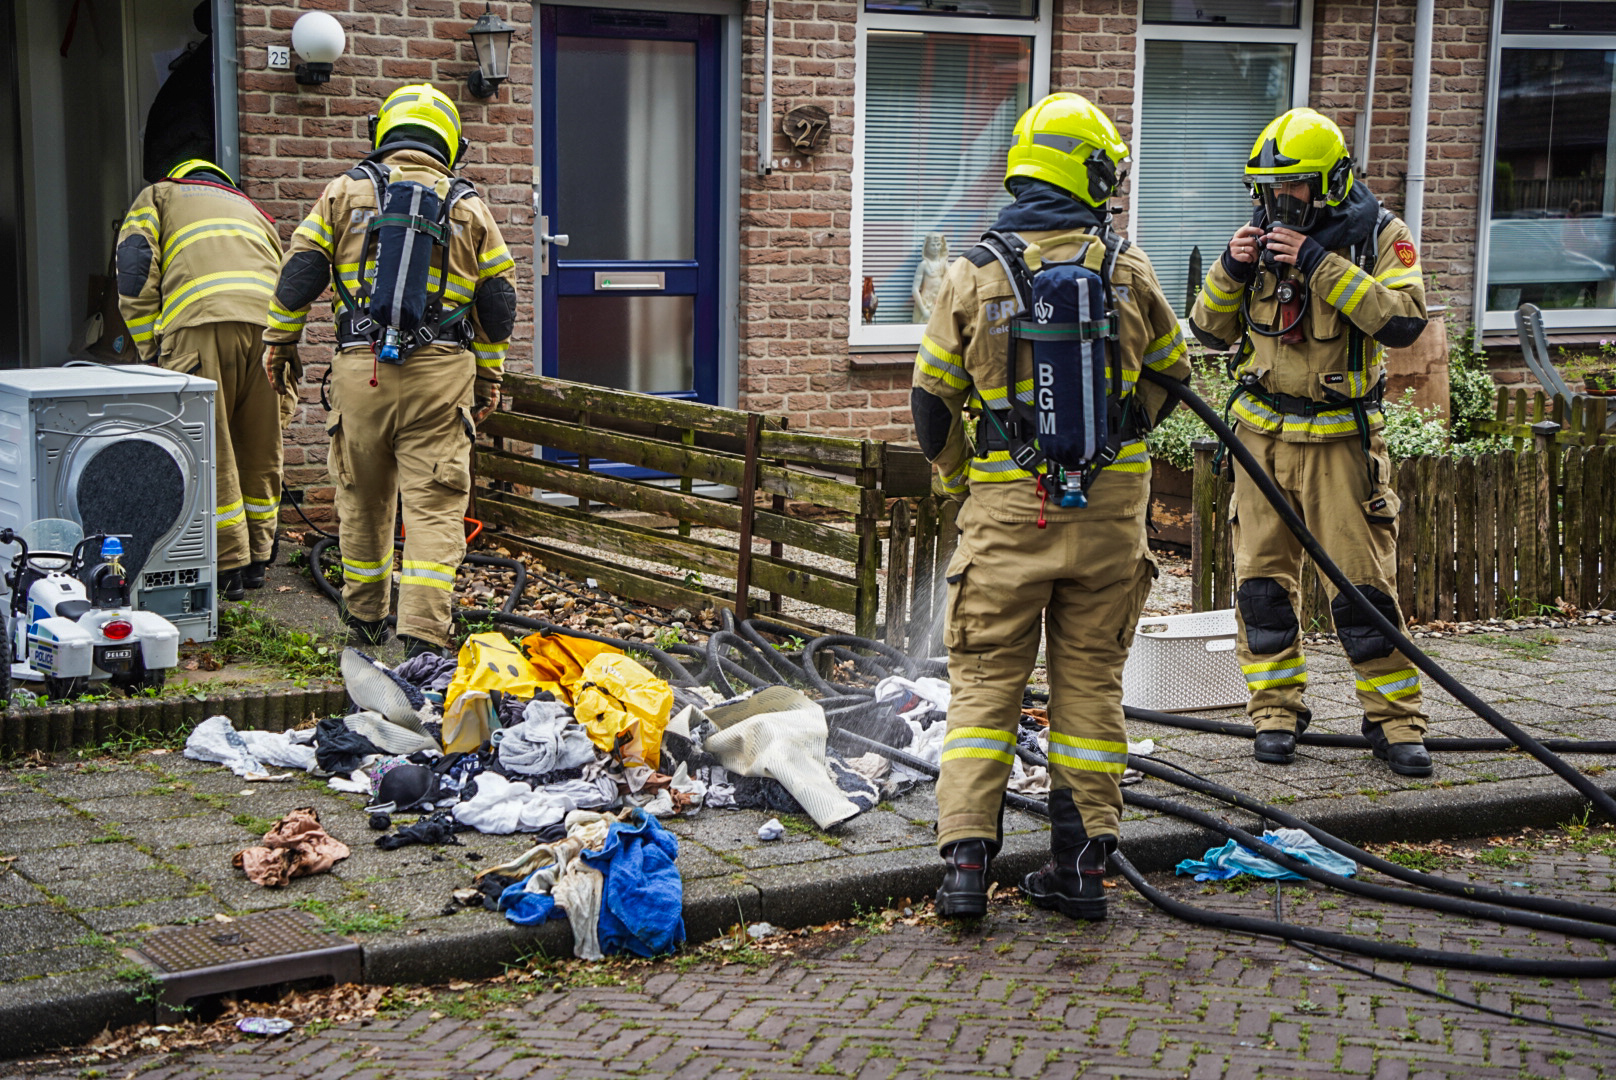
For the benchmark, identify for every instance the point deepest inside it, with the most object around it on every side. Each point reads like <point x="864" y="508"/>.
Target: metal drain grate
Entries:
<point x="254" y="950"/>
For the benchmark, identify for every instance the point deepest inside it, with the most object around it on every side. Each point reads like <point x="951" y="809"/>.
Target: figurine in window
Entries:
<point x="929" y="275"/>
<point x="869" y="301"/>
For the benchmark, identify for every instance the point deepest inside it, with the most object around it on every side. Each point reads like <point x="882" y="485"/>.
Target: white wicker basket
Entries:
<point x="1180" y="663"/>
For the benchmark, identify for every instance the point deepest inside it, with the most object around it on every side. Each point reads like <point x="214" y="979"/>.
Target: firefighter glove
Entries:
<point x="486" y="398"/>
<point x="277" y="360"/>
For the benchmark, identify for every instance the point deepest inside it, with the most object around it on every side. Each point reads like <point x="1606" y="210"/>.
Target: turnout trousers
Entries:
<point x="1328" y="485"/>
<point x="409" y="437"/>
<point x="247" y="433"/>
<point x="1080" y="583"/>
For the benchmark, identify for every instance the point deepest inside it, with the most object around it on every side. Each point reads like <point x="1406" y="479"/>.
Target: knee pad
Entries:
<point x="1360" y="638"/>
<point x="1271" y="624"/>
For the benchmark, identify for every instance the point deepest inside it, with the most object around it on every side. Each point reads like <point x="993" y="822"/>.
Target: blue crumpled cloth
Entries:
<point x="1231" y="860"/>
<point x="643" y="898"/>
<point x="528" y="908"/>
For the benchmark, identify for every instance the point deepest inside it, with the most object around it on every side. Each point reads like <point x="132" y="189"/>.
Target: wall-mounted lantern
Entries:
<point x="319" y="40"/>
<point x="491" y="37"/>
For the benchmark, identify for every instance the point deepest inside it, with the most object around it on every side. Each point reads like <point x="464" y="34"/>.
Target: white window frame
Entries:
<point x="903" y="336"/>
<point x="1564" y="319"/>
<point x="1299" y="37"/>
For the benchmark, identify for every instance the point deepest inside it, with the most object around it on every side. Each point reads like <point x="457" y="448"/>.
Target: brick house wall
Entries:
<point x="796" y="224"/>
<point x="295" y="139"/>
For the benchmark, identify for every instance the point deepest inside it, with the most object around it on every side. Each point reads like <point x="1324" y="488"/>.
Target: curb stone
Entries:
<point x="56" y="728"/>
<point x="36" y="1015"/>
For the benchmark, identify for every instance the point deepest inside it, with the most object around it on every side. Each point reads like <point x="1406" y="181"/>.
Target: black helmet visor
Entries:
<point x="1284" y="209"/>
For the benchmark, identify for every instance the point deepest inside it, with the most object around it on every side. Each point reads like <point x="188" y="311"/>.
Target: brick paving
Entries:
<point x="1025" y="994"/>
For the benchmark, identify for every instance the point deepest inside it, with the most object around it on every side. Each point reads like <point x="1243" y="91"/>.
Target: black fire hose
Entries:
<point x="1293" y="521"/>
<point x="1470" y="909"/>
<point x="1358" y="742"/>
<point x="1548" y="905"/>
<point x="1381" y="950"/>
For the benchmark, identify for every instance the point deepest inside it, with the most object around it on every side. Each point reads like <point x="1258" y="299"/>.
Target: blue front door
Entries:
<point x="628" y="116"/>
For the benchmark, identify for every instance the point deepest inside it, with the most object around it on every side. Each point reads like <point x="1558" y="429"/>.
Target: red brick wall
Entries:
<point x="1458" y="105"/>
<point x="796" y="225"/>
<point x="294" y="139"/>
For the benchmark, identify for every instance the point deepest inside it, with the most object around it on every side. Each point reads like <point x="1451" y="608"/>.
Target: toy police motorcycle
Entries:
<point x="69" y="620"/>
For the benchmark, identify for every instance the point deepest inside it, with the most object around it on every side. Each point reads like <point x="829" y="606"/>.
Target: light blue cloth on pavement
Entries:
<point x="1231" y="860"/>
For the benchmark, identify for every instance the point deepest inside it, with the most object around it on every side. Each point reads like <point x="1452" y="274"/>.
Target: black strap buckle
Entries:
<point x="1027" y="456"/>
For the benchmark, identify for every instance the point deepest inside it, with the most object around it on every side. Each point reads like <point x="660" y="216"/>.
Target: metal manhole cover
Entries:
<point x="248" y="938"/>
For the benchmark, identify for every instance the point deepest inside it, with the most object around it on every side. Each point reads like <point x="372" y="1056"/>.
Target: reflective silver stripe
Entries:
<point x="1007" y="465"/>
<point x="356" y="573"/>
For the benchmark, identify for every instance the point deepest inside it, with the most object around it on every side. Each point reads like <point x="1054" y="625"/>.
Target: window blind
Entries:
<point x="939" y="113"/>
<point x="1204" y="104"/>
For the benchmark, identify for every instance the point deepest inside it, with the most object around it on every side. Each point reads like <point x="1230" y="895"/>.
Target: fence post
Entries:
<point x="1203" y="525"/>
<point x="897" y="574"/>
<point x="920" y="580"/>
<point x="1548" y="508"/>
<point x="868" y="524"/>
<point x="743" y="559"/>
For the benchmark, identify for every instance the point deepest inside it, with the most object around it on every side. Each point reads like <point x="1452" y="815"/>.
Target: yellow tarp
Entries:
<point x="623" y="705"/>
<point x="558" y="661"/>
<point x="491" y="662"/>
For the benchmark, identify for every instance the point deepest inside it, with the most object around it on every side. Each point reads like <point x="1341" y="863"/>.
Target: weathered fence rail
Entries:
<point x="688" y="443"/>
<point x="1586" y="421"/>
<point x="1482" y="537"/>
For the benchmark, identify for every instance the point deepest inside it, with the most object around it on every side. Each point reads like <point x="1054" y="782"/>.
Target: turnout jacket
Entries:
<point x="192" y="252"/>
<point x="332" y="238"/>
<point x="963" y="354"/>
<point x="1362" y="298"/>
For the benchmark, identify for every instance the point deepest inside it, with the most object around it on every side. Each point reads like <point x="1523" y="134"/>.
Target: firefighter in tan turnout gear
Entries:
<point x="196" y="267"/>
<point x="1312" y="292"/>
<point x="1052" y="545"/>
<point x="425" y="304"/>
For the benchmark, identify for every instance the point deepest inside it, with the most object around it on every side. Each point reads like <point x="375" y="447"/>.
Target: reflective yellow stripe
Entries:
<point x="1211" y="286"/>
<point x="1401" y="276"/>
<point x="441" y="568"/>
<point x="496" y="261"/>
<point x="489" y="356"/>
<point x="281" y="319"/>
<point x="213" y="227"/>
<point x="228" y="515"/>
<point x="417" y="579"/>
<point x="1399" y="684"/>
<point x="1165" y="350"/>
<point x="956" y="481"/>
<point x="939" y="363"/>
<point x="979" y="742"/>
<point x="1215" y="299"/>
<point x="315" y="228"/>
<point x="1365" y="287"/>
<point x="1342" y="285"/>
<point x="209" y="284"/>
<point x="145" y="219"/>
<point x="1272" y="673"/>
<point x="260" y="511"/>
<point x="1090" y="755"/>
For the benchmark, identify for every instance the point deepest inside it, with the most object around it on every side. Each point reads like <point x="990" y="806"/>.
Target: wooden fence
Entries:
<point x="694" y="443"/>
<point x="1585" y="422"/>
<point x="1497" y="535"/>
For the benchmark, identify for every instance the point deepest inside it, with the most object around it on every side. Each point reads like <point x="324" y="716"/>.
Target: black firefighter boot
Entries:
<point x="964" y="891"/>
<point x="1073" y="881"/>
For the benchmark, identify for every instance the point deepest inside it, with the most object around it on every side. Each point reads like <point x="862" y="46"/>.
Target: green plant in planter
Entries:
<point x="1596" y="368"/>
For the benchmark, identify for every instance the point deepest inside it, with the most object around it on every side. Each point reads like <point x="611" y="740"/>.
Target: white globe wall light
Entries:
<point x="319" y="40"/>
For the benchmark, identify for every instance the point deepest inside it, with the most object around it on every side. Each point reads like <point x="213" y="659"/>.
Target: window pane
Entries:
<point x="939" y="112"/>
<point x="1559" y="17"/>
<point x="642" y="343"/>
<point x="1552" y="233"/>
<point x="1193" y="147"/>
<point x="1000" y="9"/>
<point x="1225" y="12"/>
<point x="626" y="138"/>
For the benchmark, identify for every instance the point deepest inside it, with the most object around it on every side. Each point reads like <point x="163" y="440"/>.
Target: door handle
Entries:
<point x="545" y="240"/>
